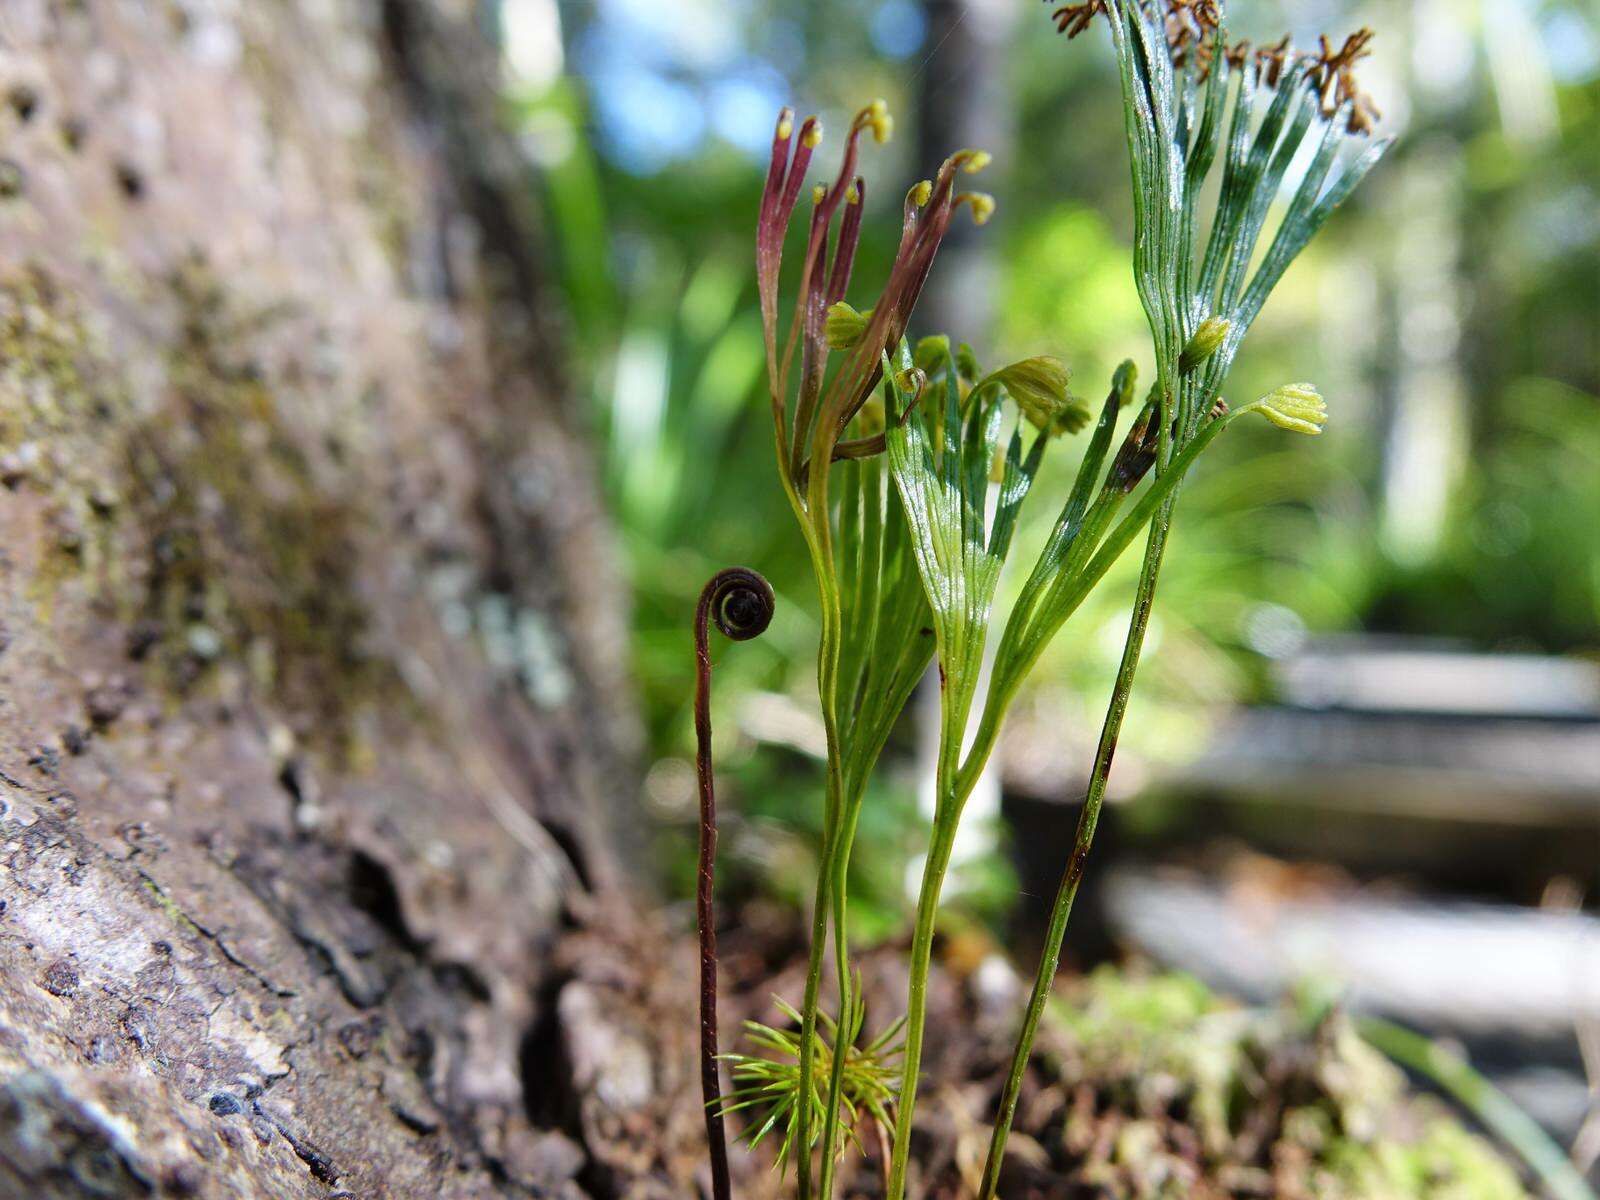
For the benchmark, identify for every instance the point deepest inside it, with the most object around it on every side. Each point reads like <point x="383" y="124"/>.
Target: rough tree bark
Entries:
<point x="310" y="700"/>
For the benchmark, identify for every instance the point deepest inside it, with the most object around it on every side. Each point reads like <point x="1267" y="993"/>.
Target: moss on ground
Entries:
<point x="1155" y="1087"/>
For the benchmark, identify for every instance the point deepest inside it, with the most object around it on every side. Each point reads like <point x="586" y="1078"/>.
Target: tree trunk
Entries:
<point x="311" y="701"/>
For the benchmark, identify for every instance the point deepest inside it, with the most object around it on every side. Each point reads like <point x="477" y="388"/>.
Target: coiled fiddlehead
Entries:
<point x="741" y="603"/>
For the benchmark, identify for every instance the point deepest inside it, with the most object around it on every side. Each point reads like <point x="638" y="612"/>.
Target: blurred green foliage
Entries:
<point x="653" y="229"/>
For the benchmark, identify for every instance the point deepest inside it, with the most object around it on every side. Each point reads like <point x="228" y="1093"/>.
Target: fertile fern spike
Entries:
<point x="1183" y="84"/>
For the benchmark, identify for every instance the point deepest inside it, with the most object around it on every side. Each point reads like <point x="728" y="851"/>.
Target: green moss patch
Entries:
<point x="1153" y="1087"/>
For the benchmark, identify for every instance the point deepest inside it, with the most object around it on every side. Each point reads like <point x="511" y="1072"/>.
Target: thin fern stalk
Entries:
<point x="943" y="498"/>
<point x="821" y="907"/>
<point x="818" y="537"/>
<point x="947" y="816"/>
<point x="740" y="602"/>
<point x="822" y="567"/>
<point x="866" y="509"/>
<point x="835" y="855"/>
<point x="839" y="902"/>
<point x="836" y="862"/>
<point x="1088" y="821"/>
<point x="827" y="671"/>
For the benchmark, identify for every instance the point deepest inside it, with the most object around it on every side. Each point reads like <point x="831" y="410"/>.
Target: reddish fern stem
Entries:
<point x="741" y="603"/>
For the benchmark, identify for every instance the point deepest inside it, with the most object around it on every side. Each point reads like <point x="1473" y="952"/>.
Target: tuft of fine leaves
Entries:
<point x="767" y="1084"/>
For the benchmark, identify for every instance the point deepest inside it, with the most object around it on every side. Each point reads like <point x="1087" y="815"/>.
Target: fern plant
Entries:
<point x="935" y="459"/>
<point x="1182" y="81"/>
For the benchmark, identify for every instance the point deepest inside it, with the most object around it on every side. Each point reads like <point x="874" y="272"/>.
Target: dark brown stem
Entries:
<point x="741" y="603"/>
